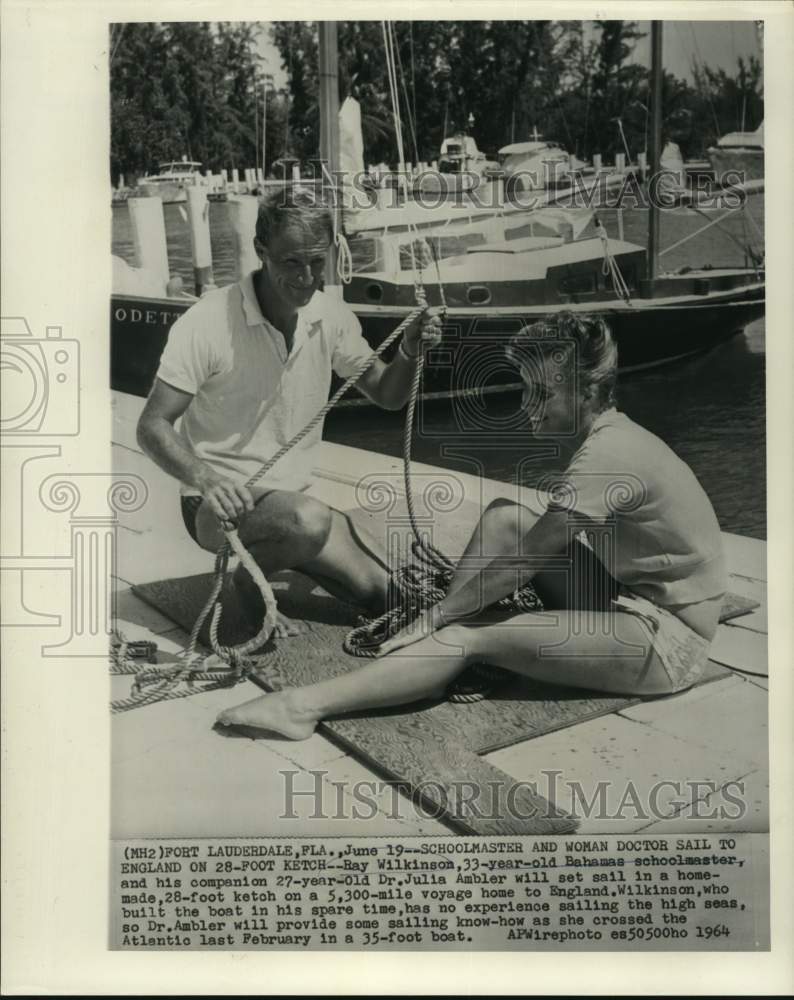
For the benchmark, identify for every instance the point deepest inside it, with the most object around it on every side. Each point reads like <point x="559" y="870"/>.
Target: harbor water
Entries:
<point x="710" y="409"/>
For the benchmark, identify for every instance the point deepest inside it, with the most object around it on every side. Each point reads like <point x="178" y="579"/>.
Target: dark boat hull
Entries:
<point x="650" y="332"/>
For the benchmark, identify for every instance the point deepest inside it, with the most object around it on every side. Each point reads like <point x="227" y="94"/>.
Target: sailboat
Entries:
<point x="492" y="287"/>
<point x="739" y="152"/>
<point x="495" y="273"/>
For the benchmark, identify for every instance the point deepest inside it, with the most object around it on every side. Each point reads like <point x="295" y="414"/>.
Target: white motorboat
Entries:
<point x="172" y="180"/>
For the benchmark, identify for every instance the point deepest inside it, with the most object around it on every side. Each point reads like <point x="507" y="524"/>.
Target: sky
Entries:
<point x="716" y="43"/>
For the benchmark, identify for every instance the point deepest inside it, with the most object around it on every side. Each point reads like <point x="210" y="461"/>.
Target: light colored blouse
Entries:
<point x="659" y="535"/>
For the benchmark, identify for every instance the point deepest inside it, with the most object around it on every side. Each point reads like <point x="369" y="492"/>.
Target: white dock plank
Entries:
<point x="745" y="555"/>
<point x="625" y="760"/>
<point x="739" y="806"/>
<point x="718" y="717"/>
<point x="741" y="649"/>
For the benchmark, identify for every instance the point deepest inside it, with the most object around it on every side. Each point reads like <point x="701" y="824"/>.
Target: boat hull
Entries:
<point x="170" y="193"/>
<point x="649" y="332"/>
<point x="138" y="334"/>
<point x="749" y="163"/>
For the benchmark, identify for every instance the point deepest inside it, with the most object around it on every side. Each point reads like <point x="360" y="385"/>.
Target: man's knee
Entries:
<point x="290" y="519"/>
<point x="310" y="521"/>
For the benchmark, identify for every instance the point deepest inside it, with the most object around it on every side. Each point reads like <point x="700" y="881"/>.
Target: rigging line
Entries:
<point x="409" y="113"/>
<point x="554" y="93"/>
<point x="413" y="68"/>
<point x="710" y="222"/>
<point x="402" y="180"/>
<point x="708" y="92"/>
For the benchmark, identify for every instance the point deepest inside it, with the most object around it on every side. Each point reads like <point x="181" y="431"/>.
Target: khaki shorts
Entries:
<point x="682" y="652"/>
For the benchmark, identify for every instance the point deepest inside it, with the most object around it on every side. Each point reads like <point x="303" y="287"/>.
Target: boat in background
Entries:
<point x="538" y="164"/>
<point x="739" y="152"/>
<point x="169" y="185"/>
<point x="496" y="272"/>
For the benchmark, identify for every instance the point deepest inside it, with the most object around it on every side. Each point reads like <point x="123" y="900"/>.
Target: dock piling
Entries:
<point x="200" y="246"/>
<point x="148" y="235"/>
<point x="242" y="215"/>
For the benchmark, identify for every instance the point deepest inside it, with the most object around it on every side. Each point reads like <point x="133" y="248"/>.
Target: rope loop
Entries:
<point x="344" y="258"/>
<point x="610" y="268"/>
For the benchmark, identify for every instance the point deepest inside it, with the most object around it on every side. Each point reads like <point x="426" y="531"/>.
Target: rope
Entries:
<point x="235" y="659"/>
<point x="420" y="586"/>
<point x="426" y="582"/>
<point x="610" y="267"/>
<point x="344" y="258"/>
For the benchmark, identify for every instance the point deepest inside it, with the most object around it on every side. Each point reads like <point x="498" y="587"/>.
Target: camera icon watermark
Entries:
<point x="40" y="381"/>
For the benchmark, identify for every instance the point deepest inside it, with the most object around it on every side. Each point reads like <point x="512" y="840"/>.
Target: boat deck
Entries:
<point x="175" y="776"/>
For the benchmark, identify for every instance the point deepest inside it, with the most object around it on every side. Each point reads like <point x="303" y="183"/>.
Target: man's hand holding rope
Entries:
<point x="228" y="499"/>
<point x="423" y="333"/>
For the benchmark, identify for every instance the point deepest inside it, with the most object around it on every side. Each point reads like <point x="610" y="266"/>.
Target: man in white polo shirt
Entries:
<point x="247" y="367"/>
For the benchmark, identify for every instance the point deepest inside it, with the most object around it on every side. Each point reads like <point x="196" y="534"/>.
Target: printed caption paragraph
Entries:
<point x="634" y="893"/>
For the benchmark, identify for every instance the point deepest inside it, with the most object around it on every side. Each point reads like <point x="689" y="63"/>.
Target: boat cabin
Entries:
<point x="499" y="263"/>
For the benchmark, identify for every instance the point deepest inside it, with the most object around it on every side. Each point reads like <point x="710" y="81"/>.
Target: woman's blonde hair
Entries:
<point x="582" y="339"/>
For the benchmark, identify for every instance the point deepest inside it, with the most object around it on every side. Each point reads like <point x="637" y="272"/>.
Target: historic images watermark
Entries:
<point x="314" y="795"/>
<point x="524" y="190"/>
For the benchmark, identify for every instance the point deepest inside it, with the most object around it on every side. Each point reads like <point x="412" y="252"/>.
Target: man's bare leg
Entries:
<point x="614" y="657"/>
<point x="294" y="531"/>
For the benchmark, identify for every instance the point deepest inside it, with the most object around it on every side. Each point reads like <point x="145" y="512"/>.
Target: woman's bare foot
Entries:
<point x="273" y="713"/>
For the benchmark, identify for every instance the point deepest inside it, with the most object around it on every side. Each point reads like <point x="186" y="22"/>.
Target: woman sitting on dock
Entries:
<point x="638" y="623"/>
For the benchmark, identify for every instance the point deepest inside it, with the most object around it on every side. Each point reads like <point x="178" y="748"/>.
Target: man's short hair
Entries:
<point x="292" y="205"/>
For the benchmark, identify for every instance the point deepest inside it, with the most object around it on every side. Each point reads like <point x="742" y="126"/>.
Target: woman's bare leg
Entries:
<point x="498" y="534"/>
<point x="614" y="656"/>
<point x="391" y="680"/>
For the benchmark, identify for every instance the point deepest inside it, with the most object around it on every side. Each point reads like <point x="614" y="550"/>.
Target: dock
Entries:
<point x="175" y="776"/>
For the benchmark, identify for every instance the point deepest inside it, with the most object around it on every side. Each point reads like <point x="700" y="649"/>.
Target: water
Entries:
<point x="710" y="409"/>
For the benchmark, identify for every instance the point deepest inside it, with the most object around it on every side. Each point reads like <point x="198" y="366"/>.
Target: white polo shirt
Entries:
<point x="249" y="395"/>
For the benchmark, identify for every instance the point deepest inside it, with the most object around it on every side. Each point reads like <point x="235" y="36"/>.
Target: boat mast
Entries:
<point x="329" y="126"/>
<point x="655" y="147"/>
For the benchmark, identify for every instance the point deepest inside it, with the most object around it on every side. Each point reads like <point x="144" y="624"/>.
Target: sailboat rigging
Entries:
<point x="500" y="270"/>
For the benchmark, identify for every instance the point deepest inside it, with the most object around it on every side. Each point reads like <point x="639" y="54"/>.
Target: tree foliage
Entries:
<point x="196" y="89"/>
<point x="189" y="89"/>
